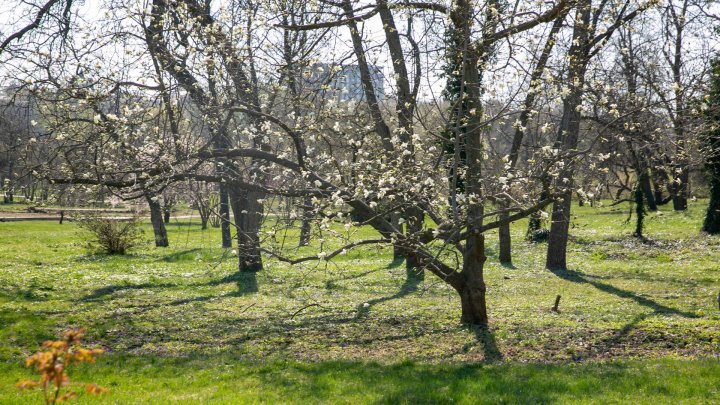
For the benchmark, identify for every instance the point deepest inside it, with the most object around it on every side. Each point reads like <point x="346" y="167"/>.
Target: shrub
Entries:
<point x="539" y="235"/>
<point x="115" y="236"/>
<point x="53" y="365"/>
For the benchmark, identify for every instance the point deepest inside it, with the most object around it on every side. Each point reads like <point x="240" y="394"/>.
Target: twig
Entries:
<point x="304" y="308"/>
<point x="557" y="304"/>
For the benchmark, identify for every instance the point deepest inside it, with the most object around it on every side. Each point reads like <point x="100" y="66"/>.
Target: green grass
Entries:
<point x="639" y="322"/>
<point x="233" y="380"/>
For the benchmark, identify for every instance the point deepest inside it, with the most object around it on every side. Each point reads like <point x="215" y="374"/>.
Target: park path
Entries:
<point x="53" y="214"/>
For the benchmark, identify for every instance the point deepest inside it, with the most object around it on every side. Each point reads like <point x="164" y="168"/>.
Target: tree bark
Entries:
<point x="225" y="217"/>
<point x="643" y="177"/>
<point x="559" y="233"/>
<point x="248" y="220"/>
<point x="505" y="241"/>
<point x="166" y="214"/>
<point x="472" y="296"/>
<point x="711" y="152"/>
<point x="397" y="250"/>
<point x="680" y="185"/>
<point x="568" y="133"/>
<point x="413" y="226"/>
<point x="305" y="225"/>
<point x="156" y="218"/>
<point x="681" y="172"/>
<point x="657" y="186"/>
<point x="403" y="108"/>
<point x="468" y="130"/>
<point x="648" y="192"/>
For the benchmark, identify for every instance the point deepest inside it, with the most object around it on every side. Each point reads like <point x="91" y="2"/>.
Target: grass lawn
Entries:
<point x="638" y="322"/>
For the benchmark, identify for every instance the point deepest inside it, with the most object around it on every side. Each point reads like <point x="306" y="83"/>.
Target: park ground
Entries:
<point x="638" y="323"/>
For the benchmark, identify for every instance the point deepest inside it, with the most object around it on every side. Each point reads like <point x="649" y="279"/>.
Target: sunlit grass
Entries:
<point x="181" y="325"/>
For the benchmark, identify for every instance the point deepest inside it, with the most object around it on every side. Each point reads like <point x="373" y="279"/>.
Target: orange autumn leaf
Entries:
<point x="95" y="389"/>
<point x="53" y="363"/>
<point x="66" y="396"/>
<point x="27" y="384"/>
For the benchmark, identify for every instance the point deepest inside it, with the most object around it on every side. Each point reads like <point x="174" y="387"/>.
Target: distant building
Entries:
<point x="343" y="82"/>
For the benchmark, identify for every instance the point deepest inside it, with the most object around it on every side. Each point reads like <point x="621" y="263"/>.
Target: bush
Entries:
<point x="539" y="235"/>
<point x="53" y="364"/>
<point x="115" y="236"/>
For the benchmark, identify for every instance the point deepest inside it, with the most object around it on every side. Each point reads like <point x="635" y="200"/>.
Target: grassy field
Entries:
<point x="638" y="322"/>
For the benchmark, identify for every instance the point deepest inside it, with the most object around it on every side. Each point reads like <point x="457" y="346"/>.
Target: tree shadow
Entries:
<point x="396" y="262"/>
<point x="604" y="345"/>
<point x="102" y="292"/>
<point x="490" y="251"/>
<point x="410" y="285"/>
<point x="486" y="338"/>
<point x="578" y="277"/>
<point x="96" y="255"/>
<point x="246" y="282"/>
<point x="358" y="275"/>
<point x="181" y="256"/>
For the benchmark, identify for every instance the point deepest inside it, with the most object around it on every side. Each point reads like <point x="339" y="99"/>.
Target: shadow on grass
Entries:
<point x="357" y="275"/>
<point x="271" y="381"/>
<point x="21" y="332"/>
<point x="509" y="266"/>
<point x="95" y="255"/>
<point x="579" y="277"/>
<point x="486" y="339"/>
<point x="605" y="345"/>
<point x="229" y="378"/>
<point x="396" y="262"/>
<point x="183" y="255"/>
<point x="101" y="293"/>
<point x="33" y="293"/>
<point x="412" y="281"/>
<point x="246" y="282"/>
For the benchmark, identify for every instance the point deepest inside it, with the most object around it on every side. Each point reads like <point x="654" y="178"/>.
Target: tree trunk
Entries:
<point x="225" y="217"/>
<point x="166" y="214"/>
<point x="681" y="174"/>
<point x="397" y="250"/>
<point x="505" y="242"/>
<point x="413" y="226"/>
<point x="711" y="224"/>
<point x="642" y="177"/>
<point x="468" y="131"/>
<point x="648" y="192"/>
<point x="711" y="152"/>
<point x="156" y="218"/>
<point x="248" y="219"/>
<point x="305" y="225"/>
<point x="405" y="98"/>
<point x="680" y="186"/>
<point x="472" y="294"/>
<point x="568" y="133"/>
<point x="660" y="179"/>
<point x="657" y="189"/>
<point x="559" y="230"/>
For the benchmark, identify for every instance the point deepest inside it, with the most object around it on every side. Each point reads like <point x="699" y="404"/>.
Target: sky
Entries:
<point x="15" y="14"/>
